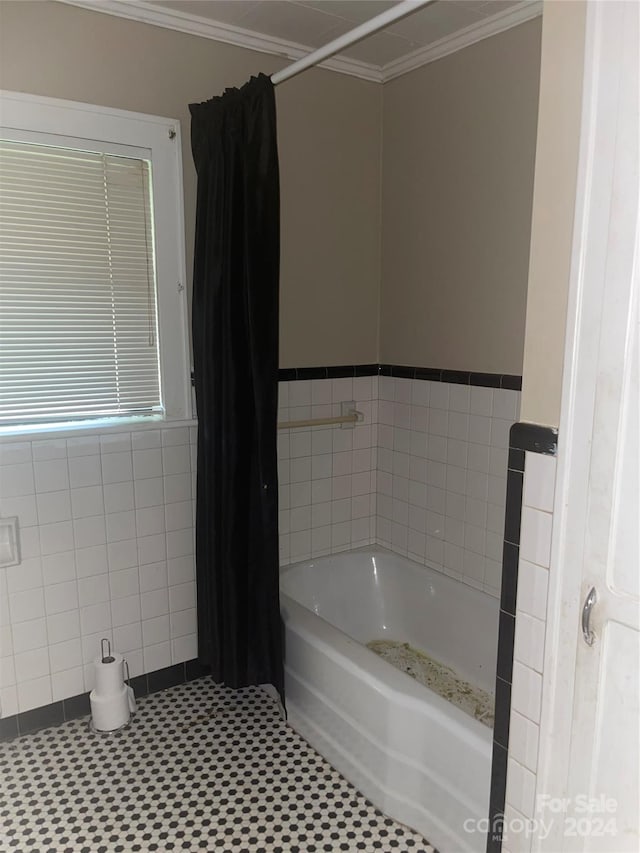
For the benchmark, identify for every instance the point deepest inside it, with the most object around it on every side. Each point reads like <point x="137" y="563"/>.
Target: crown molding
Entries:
<point x="196" y="25"/>
<point x="184" y="22"/>
<point x="463" y="38"/>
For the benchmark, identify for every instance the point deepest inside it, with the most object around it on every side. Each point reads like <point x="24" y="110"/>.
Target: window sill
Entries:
<point x="35" y="432"/>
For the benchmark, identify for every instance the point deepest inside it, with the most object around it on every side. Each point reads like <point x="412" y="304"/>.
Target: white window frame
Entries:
<point x="22" y="114"/>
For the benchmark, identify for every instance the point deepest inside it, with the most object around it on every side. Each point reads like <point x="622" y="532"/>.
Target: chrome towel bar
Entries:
<point x="348" y="419"/>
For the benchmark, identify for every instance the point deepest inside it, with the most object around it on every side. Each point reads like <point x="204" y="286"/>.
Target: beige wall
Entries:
<point x="457" y="166"/>
<point x="458" y="159"/>
<point x="329" y="138"/>
<point x="561" y="79"/>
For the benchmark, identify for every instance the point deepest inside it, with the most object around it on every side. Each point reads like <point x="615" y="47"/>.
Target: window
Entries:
<point x="92" y="307"/>
<point x="78" y="331"/>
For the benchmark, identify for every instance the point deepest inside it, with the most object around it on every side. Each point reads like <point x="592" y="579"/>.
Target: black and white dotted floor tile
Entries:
<point x="201" y="767"/>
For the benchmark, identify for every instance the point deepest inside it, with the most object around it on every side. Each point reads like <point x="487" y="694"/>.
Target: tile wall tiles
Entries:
<point x="531" y="601"/>
<point x="442" y="465"/>
<point x="327" y="475"/>
<point x="426" y="476"/>
<point x="107" y="542"/>
<point x="526" y="560"/>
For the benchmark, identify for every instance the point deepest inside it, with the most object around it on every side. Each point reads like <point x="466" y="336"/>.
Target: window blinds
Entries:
<point x="78" y="320"/>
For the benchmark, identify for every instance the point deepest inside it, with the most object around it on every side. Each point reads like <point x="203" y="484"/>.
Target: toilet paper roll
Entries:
<point x="109" y="677"/>
<point x="110" y="712"/>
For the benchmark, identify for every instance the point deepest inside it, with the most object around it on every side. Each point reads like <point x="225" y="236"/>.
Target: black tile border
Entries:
<point x="506" y="636"/>
<point x="531" y="438"/>
<point x="510" y="558"/>
<point x="287" y="374"/>
<point x="340" y="371"/>
<point x="76" y="706"/>
<point x="9" y="727"/>
<point x="344" y="371"/>
<point x="41" y="718"/>
<point x="503" y="707"/>
<point x="403" y="371"/>
<point x="512" y="382"/>
<point x="513" y="508"/>
<point x="170" y="676"/>
<point x="516" y="460"/>
<point x="434" y="374"/>
<point x="311" y="373"/>
<point x="497" y="797"/>
<point x="366" y="369"/>
<point x="79" y="706"/>
<point x="534" y="438"/>
<point x="489" y="380"/>
<point x="427" y="374"/>
<point x="194" y="669"/>
<point x="457" y="377"/>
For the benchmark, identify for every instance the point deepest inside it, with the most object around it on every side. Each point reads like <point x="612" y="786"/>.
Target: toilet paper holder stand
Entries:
<point x="131" y="699"/>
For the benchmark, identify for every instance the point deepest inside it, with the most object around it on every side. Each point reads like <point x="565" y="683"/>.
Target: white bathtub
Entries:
<point x="420" y="759"/>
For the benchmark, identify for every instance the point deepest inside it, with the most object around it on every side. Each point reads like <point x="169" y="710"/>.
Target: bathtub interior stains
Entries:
<point x="437" y="677"/>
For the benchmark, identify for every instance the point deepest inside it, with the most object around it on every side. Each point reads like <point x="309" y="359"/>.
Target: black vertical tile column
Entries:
<point x="534" y="439"/>
<point x="506" y="633"/>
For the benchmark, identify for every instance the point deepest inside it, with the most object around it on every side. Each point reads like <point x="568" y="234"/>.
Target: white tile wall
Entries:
<point x="106" y="529"/>
<point x="327" y="475"/>
<point x="533" y="571"/>
<point x="107" y="521"/>
<point x="442" y="468"/>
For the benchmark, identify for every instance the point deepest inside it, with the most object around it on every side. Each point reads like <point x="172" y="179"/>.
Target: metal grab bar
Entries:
<point x="352" y="418"/>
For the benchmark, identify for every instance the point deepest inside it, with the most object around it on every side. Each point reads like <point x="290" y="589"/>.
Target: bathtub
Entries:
<point x="420" y="759"/>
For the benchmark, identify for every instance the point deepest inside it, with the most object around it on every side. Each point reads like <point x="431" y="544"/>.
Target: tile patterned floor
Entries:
<point x="201" y="767"/>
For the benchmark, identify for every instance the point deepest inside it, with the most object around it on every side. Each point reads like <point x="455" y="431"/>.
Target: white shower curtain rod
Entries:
<point x="401" y="10"/>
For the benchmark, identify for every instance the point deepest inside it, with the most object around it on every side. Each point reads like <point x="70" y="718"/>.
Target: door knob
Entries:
<point x="587" y="607"/>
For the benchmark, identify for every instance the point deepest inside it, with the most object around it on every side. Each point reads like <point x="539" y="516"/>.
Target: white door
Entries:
<point x="588" y="790"/>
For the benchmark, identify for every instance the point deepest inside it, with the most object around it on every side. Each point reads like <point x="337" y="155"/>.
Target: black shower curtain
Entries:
<point x="235" y="344"/>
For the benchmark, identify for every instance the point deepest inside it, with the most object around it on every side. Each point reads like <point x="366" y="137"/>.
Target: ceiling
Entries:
<point x="291" y="27"/>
